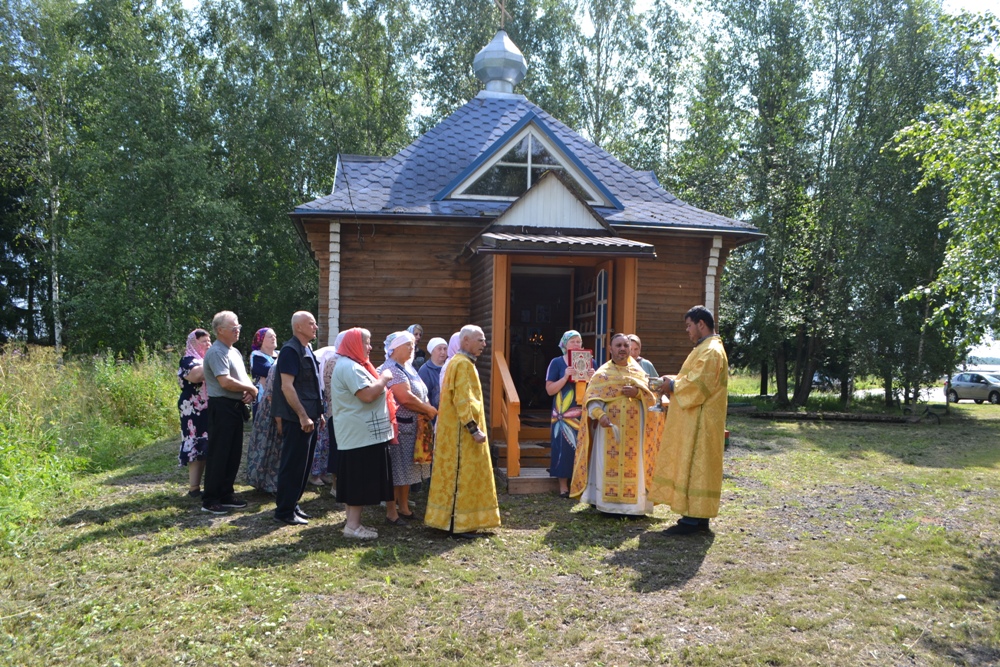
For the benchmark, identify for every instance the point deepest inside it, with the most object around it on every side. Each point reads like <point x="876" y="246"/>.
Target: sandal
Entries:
<point x="564" y="494"/>
<point x="360" y="533"/>
<point x="398" y="521"/>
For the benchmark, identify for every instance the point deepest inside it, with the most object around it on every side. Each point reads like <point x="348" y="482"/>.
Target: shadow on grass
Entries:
<point x="155" y="462"/>
<point x="151" y="513"/>
<point x="588" y="527"/>
<point x="662" y="561"/>
<point x="983" y="588"/>
<point x="413" y="545"/>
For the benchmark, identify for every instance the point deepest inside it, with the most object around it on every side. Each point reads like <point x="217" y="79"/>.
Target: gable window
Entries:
<point x="517" y="169"/>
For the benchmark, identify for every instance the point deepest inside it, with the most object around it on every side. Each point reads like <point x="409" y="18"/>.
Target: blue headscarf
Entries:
<point x="565" y="339"/>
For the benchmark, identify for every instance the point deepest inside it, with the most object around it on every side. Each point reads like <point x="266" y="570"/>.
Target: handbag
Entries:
<point x="423" y="448"/>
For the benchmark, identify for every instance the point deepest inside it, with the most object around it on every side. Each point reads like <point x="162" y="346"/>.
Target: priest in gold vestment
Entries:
<point x="618" y="437"/>
<point x="688" y="471"/>
<point x="463" y="494"/>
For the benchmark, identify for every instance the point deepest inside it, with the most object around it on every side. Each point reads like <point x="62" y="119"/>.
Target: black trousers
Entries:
<point x="225" y="449"/>
<point x="297" y="450"/>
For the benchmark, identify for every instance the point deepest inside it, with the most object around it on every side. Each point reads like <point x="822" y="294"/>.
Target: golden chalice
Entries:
<point x="656" y="386"/>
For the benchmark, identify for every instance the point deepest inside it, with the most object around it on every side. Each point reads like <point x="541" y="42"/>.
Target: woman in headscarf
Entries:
<point x="318" y="474"/>
<point x="264" y="446"/>
<point x="566" y="410"/>
<point x="454" y="345"/>
<point x="410" y="393"/>
<point x="363" y="413"/>
<point x="262" y="356"/>
<point x="193" y="408"/>
<point x="430" y="372"/>
<point x="418" y="354"/>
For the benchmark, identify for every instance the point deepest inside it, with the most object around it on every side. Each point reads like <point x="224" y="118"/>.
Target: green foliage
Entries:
<point x="801" y="105"/>
<point x="151" y="156"/>
<point x="958" y="145"/>
<point x="62" y="417"/>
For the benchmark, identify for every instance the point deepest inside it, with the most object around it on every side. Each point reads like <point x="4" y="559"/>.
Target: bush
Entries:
<point x="62" y="417"/>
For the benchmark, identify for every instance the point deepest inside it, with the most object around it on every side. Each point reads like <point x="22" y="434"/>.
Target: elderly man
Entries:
<point x="463" y="495"/>
<point x="230" y="393"/>
<point x="635" y="351"/>
<point x="688" y="472"/>
<point x="297" y="399"/>
<point x="618" y="436"/>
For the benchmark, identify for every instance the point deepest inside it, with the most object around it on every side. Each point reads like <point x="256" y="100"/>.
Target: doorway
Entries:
<point x="541" y="310"/>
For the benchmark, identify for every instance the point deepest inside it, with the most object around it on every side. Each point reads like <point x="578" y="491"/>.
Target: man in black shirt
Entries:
<point x="297" y="399"/>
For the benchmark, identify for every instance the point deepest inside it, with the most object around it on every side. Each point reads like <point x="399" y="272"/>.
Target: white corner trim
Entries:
<point x="711" y="272"/>
<point x="333" y="285"/>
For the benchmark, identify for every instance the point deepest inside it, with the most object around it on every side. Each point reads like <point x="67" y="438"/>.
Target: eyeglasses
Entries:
<point x="238" y="328"/>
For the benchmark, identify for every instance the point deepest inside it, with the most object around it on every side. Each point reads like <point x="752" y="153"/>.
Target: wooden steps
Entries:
<point x="534" y="454"/>
<point x="531" y="480"/>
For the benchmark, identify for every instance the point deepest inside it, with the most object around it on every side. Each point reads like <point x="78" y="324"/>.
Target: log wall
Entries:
<point x="392" y="276"/>
<point x="668" y="287"/>
<point x="481" y="314"/>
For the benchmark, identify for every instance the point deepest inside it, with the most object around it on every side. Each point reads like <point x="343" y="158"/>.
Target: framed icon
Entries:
<point x="582" y="362"/>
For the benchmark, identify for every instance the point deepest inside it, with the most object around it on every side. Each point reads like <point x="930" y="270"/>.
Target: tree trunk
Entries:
<point x="763" y="378"/>
<point x="845" y="388"/>
<point x="805" y="367"/>
<point x="887" y="384"/>
<point x="781" y="376"/>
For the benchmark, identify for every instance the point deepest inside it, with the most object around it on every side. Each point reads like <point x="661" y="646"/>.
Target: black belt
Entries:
<point x="225" y="398"/>
<point x="404" y="420"/>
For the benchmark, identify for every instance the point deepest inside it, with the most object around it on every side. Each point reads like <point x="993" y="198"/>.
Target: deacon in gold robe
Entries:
<point x="688" y="471"/>
<point x="618" y="436"/>
<point x="463" y="494"/>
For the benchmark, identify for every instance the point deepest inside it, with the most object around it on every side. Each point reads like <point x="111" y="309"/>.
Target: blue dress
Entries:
<point x="566" y="413"/>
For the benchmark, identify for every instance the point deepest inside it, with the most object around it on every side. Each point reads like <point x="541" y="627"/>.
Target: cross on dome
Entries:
<point x="504" y="14"/>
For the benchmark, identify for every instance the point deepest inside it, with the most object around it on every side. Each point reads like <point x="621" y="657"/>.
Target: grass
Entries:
<point x="62" y="417"/>
<point x="838" y="544"/>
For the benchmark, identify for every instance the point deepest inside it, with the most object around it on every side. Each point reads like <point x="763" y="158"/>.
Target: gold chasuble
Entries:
<point x="462" y="485"/>
<point x="688" y="472"/>
<point x="638" y="429"/>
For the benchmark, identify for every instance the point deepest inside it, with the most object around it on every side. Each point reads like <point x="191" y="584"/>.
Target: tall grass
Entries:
<point x="60" y="418"/>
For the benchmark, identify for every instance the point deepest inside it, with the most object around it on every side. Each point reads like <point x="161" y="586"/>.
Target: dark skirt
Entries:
<point x="334" y="462"/>
<point x="364" y="475"/>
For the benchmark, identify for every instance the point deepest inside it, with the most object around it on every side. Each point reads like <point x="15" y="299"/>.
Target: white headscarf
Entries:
<point x="454" y="345"/>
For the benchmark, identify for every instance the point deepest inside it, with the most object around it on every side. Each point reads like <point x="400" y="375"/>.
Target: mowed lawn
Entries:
<point x="838" y="544"/>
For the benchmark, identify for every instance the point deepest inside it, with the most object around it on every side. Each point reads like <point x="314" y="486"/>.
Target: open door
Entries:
<point x="602" y="325"/>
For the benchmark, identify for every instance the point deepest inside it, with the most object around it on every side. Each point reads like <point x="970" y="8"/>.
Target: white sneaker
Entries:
<point x="360" y="533"/>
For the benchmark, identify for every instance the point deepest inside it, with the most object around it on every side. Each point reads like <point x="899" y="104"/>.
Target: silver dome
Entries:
<point x="500" y="65"/>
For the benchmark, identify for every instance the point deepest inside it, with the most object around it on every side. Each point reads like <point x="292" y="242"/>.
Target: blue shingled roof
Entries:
<point x="408" y="183"/>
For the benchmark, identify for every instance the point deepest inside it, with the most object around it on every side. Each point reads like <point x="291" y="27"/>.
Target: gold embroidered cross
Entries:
<point x="504" y="14"/>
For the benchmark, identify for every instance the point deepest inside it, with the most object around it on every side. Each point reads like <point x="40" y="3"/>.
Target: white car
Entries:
<point x="978" y="387"/>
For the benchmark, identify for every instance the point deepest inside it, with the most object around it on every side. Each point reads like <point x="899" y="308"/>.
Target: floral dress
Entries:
<point x="193" y="408"/>
<point x="264" y="446"/>
<point x="404" y="470"/>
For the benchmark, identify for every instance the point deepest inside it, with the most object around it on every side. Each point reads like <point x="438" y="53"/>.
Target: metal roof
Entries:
<point x="557" y="244"/>
<point x="406" y="184"/>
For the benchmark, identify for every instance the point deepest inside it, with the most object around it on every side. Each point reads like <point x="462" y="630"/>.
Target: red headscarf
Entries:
<point x="353" y="347"/>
